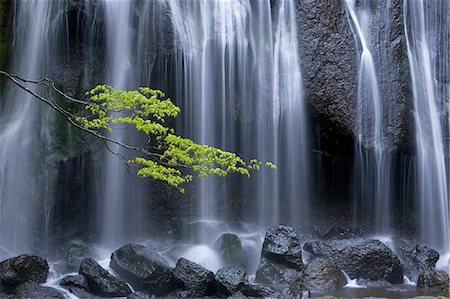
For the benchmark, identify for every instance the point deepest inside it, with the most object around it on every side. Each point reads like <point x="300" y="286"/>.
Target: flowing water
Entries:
<point x="427" y="35"/>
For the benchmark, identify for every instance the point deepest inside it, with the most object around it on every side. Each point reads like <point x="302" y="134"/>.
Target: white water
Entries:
<point x="427" y="26"/>
<point x="26" y="179"/>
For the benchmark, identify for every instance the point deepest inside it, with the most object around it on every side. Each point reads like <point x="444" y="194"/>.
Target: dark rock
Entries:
<point x="139" y="295"/>
<point x="77" y="285"/>
<point x="23" y="268"/>
<point x="231" y="280"/>
<point x="144" y="268"/>
<point x="434" y="280"/>
<point x="258" y="291"/>
<point x="33" y="290"/>
<point x="229" y="247"/>
<point x="77" y="251"/>
<point x="296" y="290"/>
<point x="101" y="282"/>
<point x="359" y="258"/>
<point x="323" y="274"/>
<point x="282" y="246"/>
<point x="271" y="273"/>
<point x="237" y="295"/>
<point x="4" y="295"/>
<point x="416" y="258"/>
<point x="194" y="278"/>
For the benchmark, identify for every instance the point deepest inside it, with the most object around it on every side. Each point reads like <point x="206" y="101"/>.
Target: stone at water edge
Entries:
<point x="296" y="290"/>
<point x="258" y="291"/>
<point x="144" y="268"/>
<point x="282" y="246"/>
<point x="101" y="282"/>
<point x="321" y="274"/>
<point x="77" y="285"/>
<point x="23" y="268"/>
<point x="33" y="290"/>
<point x="193" y="277"/>
<point x="434" y="280"/>
<point x="360" y="258"/>
<point x="271" y="273"/>
<point x="229" y="247"/>
<point x="231" y="280"/>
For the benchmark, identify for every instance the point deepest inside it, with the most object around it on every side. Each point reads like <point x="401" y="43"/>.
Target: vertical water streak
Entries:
<point x="372" y="163"/>
<point x="26" y="179"/>
<point x="427" y="27"/>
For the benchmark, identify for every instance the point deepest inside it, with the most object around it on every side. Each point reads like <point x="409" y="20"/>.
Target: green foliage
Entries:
<point x="174" y="160"/>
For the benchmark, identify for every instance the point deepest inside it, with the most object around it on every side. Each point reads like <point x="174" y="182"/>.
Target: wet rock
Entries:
<point x="229" y="247"/>
<point x="259" y="291"/>
<point x="23" y="268"/>
<point x="434" y="280"/>
<point x="144" y="268"/>
<point x="231" y="280"/>
<point x="237" y="295"/>
<point x="296" y="290"/>
<point x="77" y="251"/>
<point x="139" y="295"/>
<point x="101" y="282"/>
<point x="323" y="274"/>
<point x="271" y="273"/>
<point x="193" y="277"/>
<point x="77" y="285"/>
<point x="416" y="258"/>
<point x="34" y="290"/>
<point x="282" y="246"/>
<point x="360" y="258"/>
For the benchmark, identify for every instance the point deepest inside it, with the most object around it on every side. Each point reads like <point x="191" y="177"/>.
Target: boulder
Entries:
<point x="229" y="247"/>
<point x="34" y="290"/>
<point x="231" y="280"/>
<point x="23" y="268"/>
<point x="296" y="290"/>
<point x="416" y="258"/>
<point x="139" y="295"/>
<point x="434" y="280"/>
<point x="77" y="285"/>
<point x="282" y="246"/>
<point x="271" y="273"/>
<point x="144" y="268"/>
<point x="193" y="277"/>
<point x="322" y="274"/>
<point x="77" y="251"/>
<point x="258" y="291"/>
<point x="101" y="282"/>
<point x="360" y="258"/>
<point x="237" y="295"/>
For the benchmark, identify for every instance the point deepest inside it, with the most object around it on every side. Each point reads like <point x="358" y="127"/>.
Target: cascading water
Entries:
<point x="372" y="164"/>
<point x="427" y="35"/>
<point x="239" y="77"/>
<point x="26" y="180"/>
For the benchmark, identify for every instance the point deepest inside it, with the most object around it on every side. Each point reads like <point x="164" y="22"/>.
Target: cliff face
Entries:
<point x="5" y="29"/>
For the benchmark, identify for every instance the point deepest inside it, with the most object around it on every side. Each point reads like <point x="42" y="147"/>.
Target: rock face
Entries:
<point x="282" y="246"/>
<point x="322" y="274"/>
<point x="272" y="273"/>
<point x="416" y="258"/>
<point x="359" y="258"/>
<point x="229" y="247"/>
<point x="101" y="282"/>
<point x="296" y="290"/>
<point x="434" y="280"/>
<point x="193" y="277"/>
<point x="23" y="268"/>
<point x="33" y="290"/>
<point x="231" y="280"/>
<point x="77" y="285"/>
<point x="144" y="268"/>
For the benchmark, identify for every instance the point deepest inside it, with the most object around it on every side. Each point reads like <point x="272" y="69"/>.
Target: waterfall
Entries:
<point x="372" y="161"/>
<point x="427" y="35"/>
<point x="27" y="172"/>
<point x="239" y="80"/>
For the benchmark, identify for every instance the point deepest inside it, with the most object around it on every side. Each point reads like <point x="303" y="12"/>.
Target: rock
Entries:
<point x="193" y="277"/>
<point x="77" y="251"/>
<point x="258" y="291"/>
<point x="33" y="290"/>
<point x="322" y="274"/>
<point x="416" y="258"/>
<point x="360" y="258"/>
<point x="237" y="295"/>
<point x="139" y="295"/>
<point x="296" y="290"/>
<point x="23" y="268"/>
<point x="282" y="246"/>
<point x="77" y="285"/>
<point x="101" y="282"/>
<point x="144" y="268"/>
<point x="231" y="280"/>
<point x="229" y="247"/>
<point x="434" y="280"/>
<point x="271" y="273"/>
